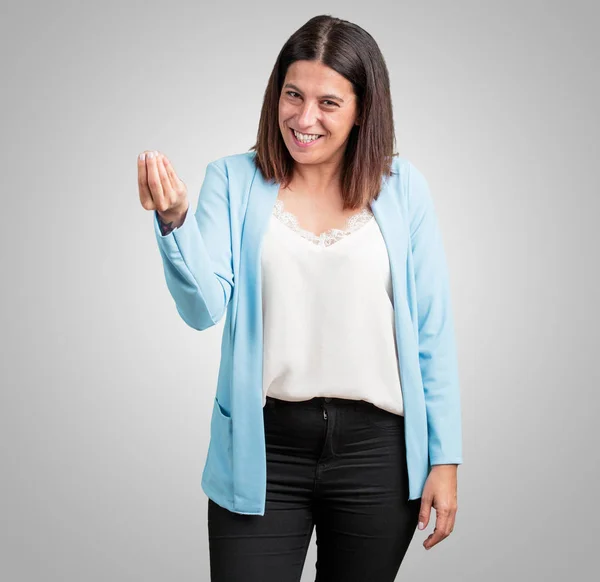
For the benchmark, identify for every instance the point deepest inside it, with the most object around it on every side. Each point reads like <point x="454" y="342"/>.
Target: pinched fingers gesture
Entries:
<point x="159" y="186"/>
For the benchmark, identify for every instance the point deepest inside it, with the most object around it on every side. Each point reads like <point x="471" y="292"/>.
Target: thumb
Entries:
<point x="424" y="512"/>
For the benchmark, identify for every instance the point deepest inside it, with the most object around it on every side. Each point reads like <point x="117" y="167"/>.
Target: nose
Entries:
<point x="307" y="117"/>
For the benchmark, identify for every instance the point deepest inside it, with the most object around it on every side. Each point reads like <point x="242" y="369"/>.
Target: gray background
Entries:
<point x="106" y="393"/>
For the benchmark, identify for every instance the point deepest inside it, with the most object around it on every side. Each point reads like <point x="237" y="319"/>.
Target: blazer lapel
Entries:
<point x="388" y="212"/>
<point x="248" y="438"/>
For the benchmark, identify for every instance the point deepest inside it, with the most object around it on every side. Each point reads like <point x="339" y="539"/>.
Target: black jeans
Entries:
<point x="333" y="464"/>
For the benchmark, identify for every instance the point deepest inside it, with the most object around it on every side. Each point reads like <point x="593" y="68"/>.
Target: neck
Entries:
<point x="316" y="180"/>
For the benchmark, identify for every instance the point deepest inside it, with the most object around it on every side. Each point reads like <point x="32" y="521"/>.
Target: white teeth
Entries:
<point x="304" y="137"/>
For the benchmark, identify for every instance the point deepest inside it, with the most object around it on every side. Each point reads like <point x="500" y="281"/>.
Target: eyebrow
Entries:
<point x="328" y="96"/>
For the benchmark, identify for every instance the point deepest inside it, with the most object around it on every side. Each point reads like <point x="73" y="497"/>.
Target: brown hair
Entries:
<point x="353" y="53"/>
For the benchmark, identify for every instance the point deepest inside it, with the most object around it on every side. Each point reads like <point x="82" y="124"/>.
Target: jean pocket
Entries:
<point x="270" y="416"/>
<point x="382" y="419"/>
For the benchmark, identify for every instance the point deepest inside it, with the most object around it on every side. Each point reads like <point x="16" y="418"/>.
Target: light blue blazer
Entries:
<point x="212" y="268"/>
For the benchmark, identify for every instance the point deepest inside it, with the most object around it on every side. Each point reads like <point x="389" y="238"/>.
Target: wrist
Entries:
<point x="171" y="219"/>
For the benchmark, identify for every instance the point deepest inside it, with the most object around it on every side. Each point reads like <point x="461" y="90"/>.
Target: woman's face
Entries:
<point x="316" y="100"/>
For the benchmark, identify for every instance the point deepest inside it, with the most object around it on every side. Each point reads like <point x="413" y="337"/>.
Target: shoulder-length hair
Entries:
<point x="353" y="53"/>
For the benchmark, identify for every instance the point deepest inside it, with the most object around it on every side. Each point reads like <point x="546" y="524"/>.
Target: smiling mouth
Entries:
<point x="319" y="134"/>
<point x="302" y="142"/>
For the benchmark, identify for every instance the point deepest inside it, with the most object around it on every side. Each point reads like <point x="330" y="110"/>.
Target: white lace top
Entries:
<point x="328" y="313"/>
<point x="328" y="237"/>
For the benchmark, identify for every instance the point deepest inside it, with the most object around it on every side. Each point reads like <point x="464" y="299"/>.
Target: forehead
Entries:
<point x="315" y="76"/>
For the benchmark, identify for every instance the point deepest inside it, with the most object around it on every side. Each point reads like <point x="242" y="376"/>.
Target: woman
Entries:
<point x="337" y="403"/>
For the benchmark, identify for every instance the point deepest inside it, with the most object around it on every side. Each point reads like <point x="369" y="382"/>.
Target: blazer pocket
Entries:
<point x="221" y="427"/>
<point x="220" y="449"/>
<point x="222" y="412"/>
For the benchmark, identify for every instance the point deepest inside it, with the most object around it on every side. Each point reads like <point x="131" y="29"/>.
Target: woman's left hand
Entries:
<point x="440" y="492"/>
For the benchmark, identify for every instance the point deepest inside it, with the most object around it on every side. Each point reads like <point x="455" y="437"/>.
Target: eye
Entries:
<point x="292" y="94"/>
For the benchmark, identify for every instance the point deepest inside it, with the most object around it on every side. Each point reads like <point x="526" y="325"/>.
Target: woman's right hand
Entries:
<point x="161" y="189"/>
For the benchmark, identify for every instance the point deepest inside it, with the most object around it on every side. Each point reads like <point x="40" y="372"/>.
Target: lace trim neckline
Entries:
<point x="328" y="237"/>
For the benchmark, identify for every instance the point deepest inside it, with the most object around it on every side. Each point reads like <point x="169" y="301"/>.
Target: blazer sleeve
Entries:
<point x="197" y="256"/>
<point x="437" y="347"/>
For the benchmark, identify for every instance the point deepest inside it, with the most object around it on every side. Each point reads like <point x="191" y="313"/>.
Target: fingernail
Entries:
<point x="150" y="154"/>
<point x="421" y="525"/>
<point x="142" y="156"/>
